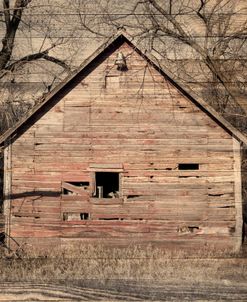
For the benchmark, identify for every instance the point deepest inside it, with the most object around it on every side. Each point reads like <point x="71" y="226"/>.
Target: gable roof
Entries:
<point x="112" y="43"/>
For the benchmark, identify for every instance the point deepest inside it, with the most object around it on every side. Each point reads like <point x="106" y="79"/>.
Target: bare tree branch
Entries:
<point x="11" y="28"/>
<point x="177" y="32"/>
<point x="6" y="13"/>
<point x="36" y="56"/>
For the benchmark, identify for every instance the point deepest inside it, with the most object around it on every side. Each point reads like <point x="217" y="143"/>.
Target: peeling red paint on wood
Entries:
<point x="141" y="130"/>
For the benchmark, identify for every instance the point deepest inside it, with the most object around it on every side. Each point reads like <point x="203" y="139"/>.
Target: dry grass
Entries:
<point x="134" y="263"/>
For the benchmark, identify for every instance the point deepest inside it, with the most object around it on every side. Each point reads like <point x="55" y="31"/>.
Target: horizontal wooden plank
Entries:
<point x="144" y="136"/>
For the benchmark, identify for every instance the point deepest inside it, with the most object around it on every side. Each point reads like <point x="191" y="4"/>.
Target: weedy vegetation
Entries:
<point x="134" y="263"/>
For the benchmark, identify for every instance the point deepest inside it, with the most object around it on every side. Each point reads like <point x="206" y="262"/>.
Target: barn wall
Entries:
<point x="137" y="124"/>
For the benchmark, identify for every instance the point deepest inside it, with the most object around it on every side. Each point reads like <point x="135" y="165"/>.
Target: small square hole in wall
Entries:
<point x="106" y="185"/>
<point x="188" y="166"/>
<point x="112" y="81"/>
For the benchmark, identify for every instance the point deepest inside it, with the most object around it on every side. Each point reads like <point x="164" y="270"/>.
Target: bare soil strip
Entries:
<point x="121" y="291"/>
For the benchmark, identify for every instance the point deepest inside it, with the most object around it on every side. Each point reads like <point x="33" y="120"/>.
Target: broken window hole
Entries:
<point x="216" y="195"/>
<point x="107" y="185"/>
<point x="81" y="184"/>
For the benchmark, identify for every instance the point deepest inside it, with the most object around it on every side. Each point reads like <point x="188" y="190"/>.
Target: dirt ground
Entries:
<point x="117" y="290"/>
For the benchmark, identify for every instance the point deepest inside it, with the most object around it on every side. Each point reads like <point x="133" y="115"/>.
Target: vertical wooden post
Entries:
<point x="238" y="194"/>
<point x="7" y="189"/>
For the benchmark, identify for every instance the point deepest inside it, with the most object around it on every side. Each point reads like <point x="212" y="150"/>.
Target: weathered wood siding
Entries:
<point x="138" y="124"/>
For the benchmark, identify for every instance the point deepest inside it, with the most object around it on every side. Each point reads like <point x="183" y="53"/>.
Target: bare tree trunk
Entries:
<point x="12" y="24"/>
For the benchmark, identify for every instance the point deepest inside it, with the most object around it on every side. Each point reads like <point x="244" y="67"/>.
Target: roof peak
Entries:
<point x="110" y="43"/>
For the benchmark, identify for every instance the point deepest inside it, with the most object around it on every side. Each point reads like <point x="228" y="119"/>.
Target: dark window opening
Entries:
<point x="188" y="166"/>
<point x="84" y="216"/>
<point x="83" y="184"/>
<point x="106" y="185"/>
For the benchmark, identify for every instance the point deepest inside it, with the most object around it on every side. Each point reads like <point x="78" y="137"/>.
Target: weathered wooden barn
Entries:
<point x="119" y="153"/>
